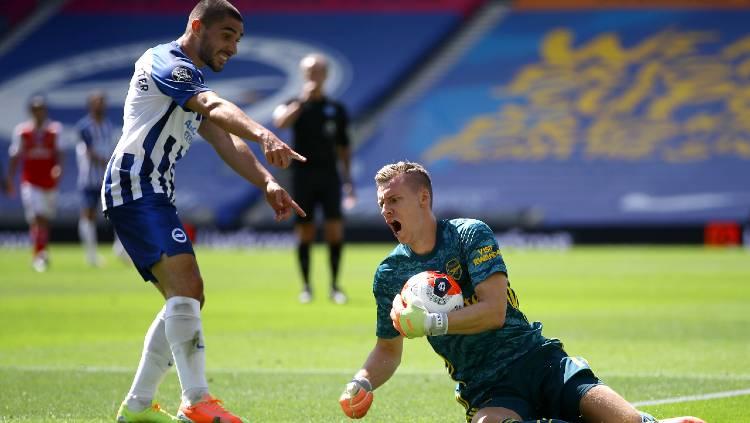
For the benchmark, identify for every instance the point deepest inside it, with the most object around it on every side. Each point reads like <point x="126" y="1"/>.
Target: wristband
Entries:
<point x="437" y="324"/>
<point x="363" y="382"/>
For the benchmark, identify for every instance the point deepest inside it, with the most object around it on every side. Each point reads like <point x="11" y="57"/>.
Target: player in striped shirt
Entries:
<point x="167" y="107"/>
<point x="96" y="139"/>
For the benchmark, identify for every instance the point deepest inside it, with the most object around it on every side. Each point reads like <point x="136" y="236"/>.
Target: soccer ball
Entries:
<point x="435" y="291"/>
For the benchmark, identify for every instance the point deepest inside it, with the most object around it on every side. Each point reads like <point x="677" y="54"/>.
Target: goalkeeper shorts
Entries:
<point x="545" y="383"/>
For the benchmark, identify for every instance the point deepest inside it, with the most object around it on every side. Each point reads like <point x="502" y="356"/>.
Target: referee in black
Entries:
<point x="320" y="133"/>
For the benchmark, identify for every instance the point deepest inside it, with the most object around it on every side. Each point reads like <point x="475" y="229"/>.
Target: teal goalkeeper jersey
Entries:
<point x="467" y="250"/>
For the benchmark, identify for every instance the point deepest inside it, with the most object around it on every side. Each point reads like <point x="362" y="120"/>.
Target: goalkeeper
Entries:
<point x="506" y="370"/>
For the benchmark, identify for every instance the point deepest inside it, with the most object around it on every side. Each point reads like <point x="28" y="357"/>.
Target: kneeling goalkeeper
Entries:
<point x="506" y="370"/>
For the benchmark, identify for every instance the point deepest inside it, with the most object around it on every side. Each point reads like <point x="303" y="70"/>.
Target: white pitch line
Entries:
<point x="707" y="376"/>
<point x="689" y="398"/>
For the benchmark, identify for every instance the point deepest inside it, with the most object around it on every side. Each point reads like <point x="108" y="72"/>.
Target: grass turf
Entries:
<point x="654" y="323"/>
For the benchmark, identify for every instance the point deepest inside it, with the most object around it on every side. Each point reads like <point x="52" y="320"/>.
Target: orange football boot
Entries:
<point x="208" y="410"/>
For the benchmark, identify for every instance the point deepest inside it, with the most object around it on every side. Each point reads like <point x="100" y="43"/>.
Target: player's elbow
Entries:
<point x="280" y="123"/>
<point x="213" y="106"/>
<point x="281" y="116"/>
<point x="495" y="318"/>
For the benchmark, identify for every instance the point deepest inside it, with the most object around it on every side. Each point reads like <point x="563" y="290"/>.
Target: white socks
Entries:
<point x="87" y="233"/>
<point x="184" y="333"/>
<point x="155" y="362"/>
<point x="119" y="250"/>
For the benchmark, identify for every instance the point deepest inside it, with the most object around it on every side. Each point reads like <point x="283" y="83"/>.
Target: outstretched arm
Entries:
<point x="235" y="153"/>
<point x="380" y="365"/>
<point x="383" y="361"/>
<point x="232" y="119"/>
<point x="284" y="115"/>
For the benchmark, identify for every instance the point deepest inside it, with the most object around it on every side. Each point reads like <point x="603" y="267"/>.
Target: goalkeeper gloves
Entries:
<point x="356" y="398"/>
<point x="415" y="321"/>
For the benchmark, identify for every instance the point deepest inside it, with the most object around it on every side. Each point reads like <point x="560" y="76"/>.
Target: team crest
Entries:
<point x="453" y="268"/>
<point x="182" y="74"/>
<point x="179" y="235"/>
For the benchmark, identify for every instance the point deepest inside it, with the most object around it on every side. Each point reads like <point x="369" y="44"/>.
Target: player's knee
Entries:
<point x="602" y="403"/>
<point x="191" y="287"/>
<point x="195" y="288"/>
<point x="495" y="415"/>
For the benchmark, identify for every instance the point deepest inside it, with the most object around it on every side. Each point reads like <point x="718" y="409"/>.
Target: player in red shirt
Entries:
<point x="35" y="147"/>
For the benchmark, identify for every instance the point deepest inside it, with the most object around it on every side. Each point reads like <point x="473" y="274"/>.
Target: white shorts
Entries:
<point x="38" y="201"/>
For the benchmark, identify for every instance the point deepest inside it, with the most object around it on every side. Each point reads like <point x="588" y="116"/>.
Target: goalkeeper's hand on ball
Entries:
<point x="412" y="320"/>
<point x="356" y="398"/>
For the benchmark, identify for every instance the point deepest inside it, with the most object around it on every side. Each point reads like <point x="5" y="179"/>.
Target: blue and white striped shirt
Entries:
<point x="98" y="137"/>
<point x="157" y="129"/>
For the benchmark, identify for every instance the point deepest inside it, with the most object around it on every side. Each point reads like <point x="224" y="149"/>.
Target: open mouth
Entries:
<point x="395" y="226"/>
<point x="224" y="56"/>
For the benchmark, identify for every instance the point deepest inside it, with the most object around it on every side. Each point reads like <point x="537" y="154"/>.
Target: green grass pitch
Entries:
<point x="656" y="323"/>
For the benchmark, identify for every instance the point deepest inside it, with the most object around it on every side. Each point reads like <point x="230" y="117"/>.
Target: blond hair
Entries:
<point x="416" y="175"/>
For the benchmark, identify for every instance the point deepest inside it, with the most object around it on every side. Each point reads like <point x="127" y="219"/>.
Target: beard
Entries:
<point x="205" y="53"/>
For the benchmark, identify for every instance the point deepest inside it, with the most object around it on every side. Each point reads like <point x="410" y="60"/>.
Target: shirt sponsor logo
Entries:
<point x="190" y="131"/>
<point x="485" y="254"/>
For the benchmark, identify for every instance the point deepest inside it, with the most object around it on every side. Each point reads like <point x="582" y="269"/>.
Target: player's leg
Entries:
<point x="156" y="241"/>
<point x="156" y="360"/>
<point x="330" y="194"/>
<point x="182" y="284"/>
<point x="304" y="228"/>
<point x="507" y="414"/>
<point x="305" y="231"/>
<point x="583" y="394"/>
<point x="119" y="251"/>
<point x="39" y="233"/>
<point x="334" y="236"/>
<point x="602" y="404"/>
<point x="87" y="234"/>
<point x="87" y="226"/>
<point x="179" y="278"/>
<point x="495" y="415"/>
<point x="504" y="415"/>
<point x="145" y="234"/>
<point x="574" y="390"/>
<point x="498" y="401"/>
<point x="38" y="207"/>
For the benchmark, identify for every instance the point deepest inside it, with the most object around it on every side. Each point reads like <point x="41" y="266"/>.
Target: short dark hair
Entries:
<point x="212" y="11"/>
<point x="37" y="100"/>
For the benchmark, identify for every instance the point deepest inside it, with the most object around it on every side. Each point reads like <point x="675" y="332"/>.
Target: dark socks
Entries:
<point x="334" y="258"/>
<point x="303" y="256"/>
